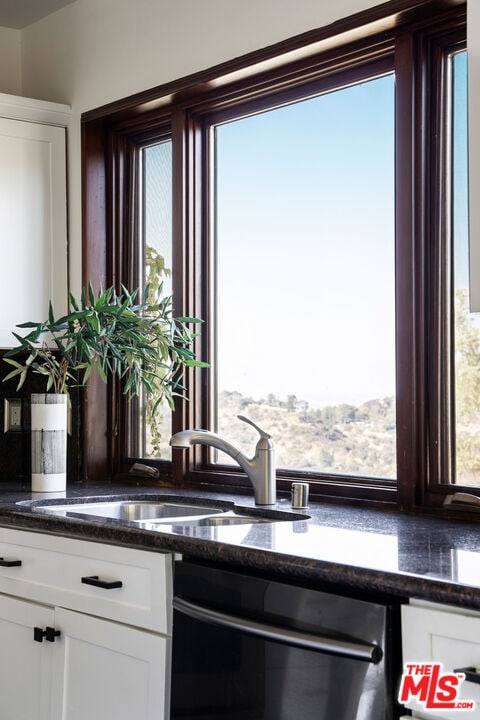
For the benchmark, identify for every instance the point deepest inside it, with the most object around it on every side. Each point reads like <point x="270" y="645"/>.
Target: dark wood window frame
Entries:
<point x="407" y="36"/>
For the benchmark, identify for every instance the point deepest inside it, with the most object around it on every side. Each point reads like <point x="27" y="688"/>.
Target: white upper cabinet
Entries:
<point x="33" y="212"/>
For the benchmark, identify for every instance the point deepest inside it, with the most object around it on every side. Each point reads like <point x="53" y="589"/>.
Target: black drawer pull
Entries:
<point x="471" y="674"/>
<point x="96" y="582"/>
<point x="10" y="563"/>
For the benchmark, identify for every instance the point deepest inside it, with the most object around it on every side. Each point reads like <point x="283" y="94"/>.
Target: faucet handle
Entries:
<point x="263" y="435"/>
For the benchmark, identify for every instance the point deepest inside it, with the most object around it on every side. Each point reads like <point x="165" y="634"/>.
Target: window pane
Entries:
<point x="156" y="235"/>
<point x="467" y="325"/>
<point x="305" y="285"/>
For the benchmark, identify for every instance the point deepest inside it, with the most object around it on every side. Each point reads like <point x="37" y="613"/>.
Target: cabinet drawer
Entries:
<point x="52" y="569"/>
<point x="443" y="635"/>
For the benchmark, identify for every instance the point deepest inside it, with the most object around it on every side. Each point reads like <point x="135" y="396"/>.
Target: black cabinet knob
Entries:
<point x="38" y="634"/>
<point x="51" y="634"/>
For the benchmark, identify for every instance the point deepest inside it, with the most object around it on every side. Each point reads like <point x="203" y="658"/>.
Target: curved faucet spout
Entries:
<point x="260" y="469"/>
<point x="187" y="438"/>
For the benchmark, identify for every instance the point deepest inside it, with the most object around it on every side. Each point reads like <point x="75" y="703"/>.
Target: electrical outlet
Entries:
<point x="12" y="415"/>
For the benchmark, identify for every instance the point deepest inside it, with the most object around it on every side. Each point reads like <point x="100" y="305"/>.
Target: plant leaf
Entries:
<point x="91" y="295"/>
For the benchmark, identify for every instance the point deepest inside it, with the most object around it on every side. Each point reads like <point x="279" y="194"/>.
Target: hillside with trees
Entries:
<point x="333" y="439"/>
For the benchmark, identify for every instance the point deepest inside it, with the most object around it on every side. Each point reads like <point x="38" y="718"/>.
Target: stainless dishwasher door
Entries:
<point x="247" y="648"/>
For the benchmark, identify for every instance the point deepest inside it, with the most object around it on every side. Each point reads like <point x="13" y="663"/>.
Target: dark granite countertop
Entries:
<point x="356" y="549"/>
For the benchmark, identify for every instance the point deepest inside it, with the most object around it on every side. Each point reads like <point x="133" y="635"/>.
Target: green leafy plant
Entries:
<point x="141" y="344"/>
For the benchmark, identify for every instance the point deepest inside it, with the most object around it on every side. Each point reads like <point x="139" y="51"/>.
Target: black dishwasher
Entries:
<point x="250" y="648"/>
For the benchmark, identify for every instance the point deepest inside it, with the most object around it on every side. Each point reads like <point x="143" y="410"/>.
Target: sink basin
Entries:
<point x="131" y="511"/>
<point x="157" y="513"/>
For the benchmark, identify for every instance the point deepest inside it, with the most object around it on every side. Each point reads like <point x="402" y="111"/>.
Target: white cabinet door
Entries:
<point x="25" y="665"/>
<point x="33" y="223"/>
<point x="431" y="635"/>
<point x="107" y="671"/>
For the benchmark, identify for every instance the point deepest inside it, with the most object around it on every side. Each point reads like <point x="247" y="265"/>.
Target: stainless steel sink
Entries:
<point x="131" y="511"/>
<point x="157" y="513"/>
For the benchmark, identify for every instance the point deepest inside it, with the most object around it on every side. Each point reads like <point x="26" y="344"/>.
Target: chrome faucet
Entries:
<point x="260" y="469"/>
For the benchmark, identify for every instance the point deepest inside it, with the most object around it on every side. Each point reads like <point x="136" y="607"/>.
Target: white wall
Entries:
<point x="96" y="51"/>
<point x="10" y="61"/>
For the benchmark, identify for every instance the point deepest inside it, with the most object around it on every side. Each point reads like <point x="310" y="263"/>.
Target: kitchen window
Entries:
<point x="310" y="227"/>
<point x="303" y="292"/>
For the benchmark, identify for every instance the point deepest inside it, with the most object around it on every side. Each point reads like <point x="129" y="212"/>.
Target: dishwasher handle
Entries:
<point x="368" y="652"/>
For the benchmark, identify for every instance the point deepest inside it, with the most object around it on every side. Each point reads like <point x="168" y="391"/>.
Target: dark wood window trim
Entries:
<point x="400" y="34"/>
<point x="363" y="60"/>
<point x="440" y="311"/>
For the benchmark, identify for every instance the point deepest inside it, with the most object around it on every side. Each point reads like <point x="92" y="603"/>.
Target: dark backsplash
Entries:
<point x="15" y="460"/>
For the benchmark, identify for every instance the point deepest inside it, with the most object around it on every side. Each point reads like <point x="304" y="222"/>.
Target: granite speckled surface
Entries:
<point x="333" y="547"/>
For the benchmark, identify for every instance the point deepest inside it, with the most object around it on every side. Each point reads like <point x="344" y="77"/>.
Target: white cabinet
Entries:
<point x="25" y="665"/>
<point x="450" y="636"/>
<point x="62" y="657"/>
<point x="104" y="670"/>
<point x="33" y="212"/>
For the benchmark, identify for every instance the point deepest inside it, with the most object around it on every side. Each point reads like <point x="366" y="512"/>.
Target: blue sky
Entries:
<point x="460" y="169"/>
<point x="305" y="247"/>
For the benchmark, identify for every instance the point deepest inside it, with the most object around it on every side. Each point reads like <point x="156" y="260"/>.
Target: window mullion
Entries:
<point x="410" y="350"/>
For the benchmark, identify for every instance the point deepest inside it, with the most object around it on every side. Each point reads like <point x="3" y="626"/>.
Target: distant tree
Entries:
<point x="291" y="403"/>
<point x="345" y="413"/>
<point x="328" y="415"/>
<point x="244" y="402"/>
<point x="302" y="407"/>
